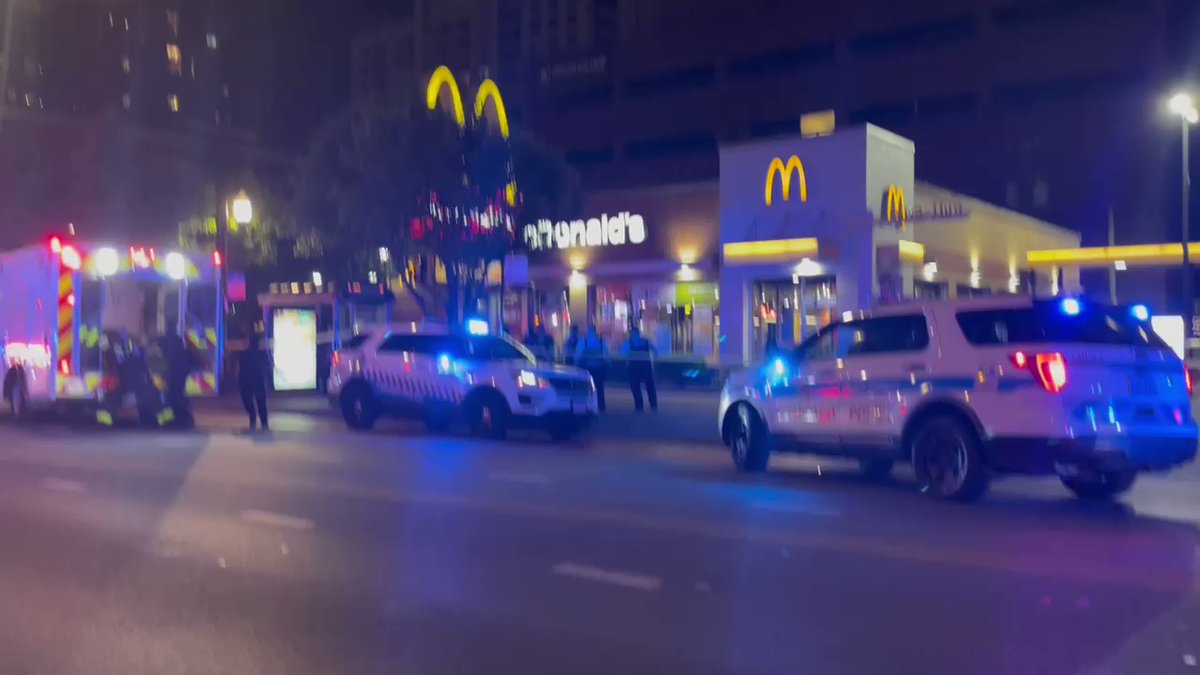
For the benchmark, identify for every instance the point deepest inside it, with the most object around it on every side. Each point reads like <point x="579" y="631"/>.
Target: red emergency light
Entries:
<point x="56" y="244"/>
<point x="217" y="260"/>
<point x="141" y="256"/>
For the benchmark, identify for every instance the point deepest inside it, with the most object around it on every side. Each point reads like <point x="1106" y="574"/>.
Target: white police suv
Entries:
<point x="440" y="375"/>
<point x="968" y="389"/>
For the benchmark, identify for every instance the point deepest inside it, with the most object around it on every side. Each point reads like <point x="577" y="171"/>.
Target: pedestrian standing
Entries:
<point x="592" y="355"/>
<point x="253" y="369"/>
<point x="639" y="353"/>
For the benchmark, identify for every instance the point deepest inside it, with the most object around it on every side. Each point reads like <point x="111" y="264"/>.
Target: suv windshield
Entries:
<point x="495" y="349"/>
<point x="1044" y="322"/>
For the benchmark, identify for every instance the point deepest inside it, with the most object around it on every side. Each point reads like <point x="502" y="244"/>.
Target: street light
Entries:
<point x="241" y="209"/>
<point x="1183" y="105"/>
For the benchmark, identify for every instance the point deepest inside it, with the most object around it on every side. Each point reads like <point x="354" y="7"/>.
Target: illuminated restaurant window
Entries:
<point x="173" y="102"/>
<point x="211" y="40"/>
<point x="126" y="66"/>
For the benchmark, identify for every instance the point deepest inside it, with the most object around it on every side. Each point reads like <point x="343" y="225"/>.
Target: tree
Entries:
<point x="411" y="181"/>
<point x="272" y="232"/>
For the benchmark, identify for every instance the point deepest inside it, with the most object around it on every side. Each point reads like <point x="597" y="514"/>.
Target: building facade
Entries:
<point x="793" y="233"/>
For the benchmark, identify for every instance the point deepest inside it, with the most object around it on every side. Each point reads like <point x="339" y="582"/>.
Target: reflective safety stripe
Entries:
<point x="104" y="417"/>
<point x="417" y="388"/>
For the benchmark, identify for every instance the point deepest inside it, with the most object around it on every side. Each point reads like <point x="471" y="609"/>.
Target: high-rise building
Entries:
<point x="158" y="63"/>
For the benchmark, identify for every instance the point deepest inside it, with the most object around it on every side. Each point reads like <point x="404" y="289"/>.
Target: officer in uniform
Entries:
<point x="638" y="353"/>
<point x="592" y="355"/>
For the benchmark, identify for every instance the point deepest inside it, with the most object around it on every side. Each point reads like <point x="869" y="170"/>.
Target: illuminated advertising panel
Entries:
<point x="295" y="349"/>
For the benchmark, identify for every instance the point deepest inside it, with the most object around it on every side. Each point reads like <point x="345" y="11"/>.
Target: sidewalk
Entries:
<point x="683" y="416"/>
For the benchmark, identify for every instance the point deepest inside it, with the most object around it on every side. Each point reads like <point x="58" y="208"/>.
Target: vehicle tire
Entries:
<point x="487" y="415"/>
<point x="749" y="444"/>
<point x="1103" y="485"/>
<point x="948" y="461"/>
<point x="876" y="469"/>
<point x="563" y="431"/>
<point x="359" y="407"/>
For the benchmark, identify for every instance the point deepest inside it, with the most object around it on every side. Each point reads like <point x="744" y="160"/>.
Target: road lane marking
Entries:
<point x="525" y="477"/>
<point x="63" y="485"/>
<point x="792" y="507"/>
<point x="276" y="520"/>
<point x="641" y="582"/>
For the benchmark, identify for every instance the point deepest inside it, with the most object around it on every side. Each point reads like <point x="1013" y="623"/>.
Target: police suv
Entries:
<point x="968" y="389"/>
<point x="440" y="375"/>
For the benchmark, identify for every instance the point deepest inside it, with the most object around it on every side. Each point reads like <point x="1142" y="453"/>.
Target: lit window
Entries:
<point x="173" y="21"/>
<point x="173" y="102"/>
<point x="28" y="100"/>
<point x="174" y="59"/>
<point x="126" y="101"/>
<point x="110" y="20"/>
<point x="217" y="116"/>
<point x="126" y="66"/>
<point x="211" y="39"/>
<point x="126" y="23"/>
<point x="225" y="90"/>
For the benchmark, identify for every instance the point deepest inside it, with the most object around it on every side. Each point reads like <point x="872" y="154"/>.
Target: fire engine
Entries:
<point x="64" y="303"/>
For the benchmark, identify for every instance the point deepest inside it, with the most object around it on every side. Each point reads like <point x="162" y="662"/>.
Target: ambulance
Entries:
<point x="65" y="306"/>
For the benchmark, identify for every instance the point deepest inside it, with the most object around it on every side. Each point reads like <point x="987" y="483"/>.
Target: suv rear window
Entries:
<point x="1045" y="323"/>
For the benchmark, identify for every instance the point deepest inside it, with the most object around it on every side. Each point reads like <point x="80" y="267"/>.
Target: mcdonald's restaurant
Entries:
<point x="796" y="231"/>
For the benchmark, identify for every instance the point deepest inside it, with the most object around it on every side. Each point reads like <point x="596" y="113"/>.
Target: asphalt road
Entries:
<point x="319" y="551"/>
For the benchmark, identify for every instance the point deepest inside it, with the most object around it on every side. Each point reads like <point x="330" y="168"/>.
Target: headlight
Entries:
<point x="530" y="380"/>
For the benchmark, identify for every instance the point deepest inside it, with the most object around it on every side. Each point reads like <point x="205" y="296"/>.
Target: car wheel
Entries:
<point x="1102" y="485"/>
<point x="948" y="461"/>
<point x="563" y="431"/>
<point x="748" y="442"/>
<point x="359" y="408"/>
<point x="437" y="424"/>
<point x="875" y="469"/>
<point x="488" y="417"/>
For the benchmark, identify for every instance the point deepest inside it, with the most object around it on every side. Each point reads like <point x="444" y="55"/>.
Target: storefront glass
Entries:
<point x="787" y="311"/>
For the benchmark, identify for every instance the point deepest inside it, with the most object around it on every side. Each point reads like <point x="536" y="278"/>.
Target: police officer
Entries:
<point x="179" y="363"/>
<point x="638" y="353"/>
<point x="571" y="345"/>
<point x="591" y="354"/>
<point x="253" y="369"/>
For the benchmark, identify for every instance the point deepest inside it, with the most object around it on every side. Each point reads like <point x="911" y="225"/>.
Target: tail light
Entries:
<point x="1050" y="369"/>
<point x="1187" y="378"/>
<point x="64" y="366"/>
<point x="337" y="358"/>
<point x="218" y="260"/>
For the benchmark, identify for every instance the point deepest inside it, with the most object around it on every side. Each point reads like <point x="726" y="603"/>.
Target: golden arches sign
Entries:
<point x="896" y="207"/>
<point x="793" y="166"/>
<point x="442" y="77"/>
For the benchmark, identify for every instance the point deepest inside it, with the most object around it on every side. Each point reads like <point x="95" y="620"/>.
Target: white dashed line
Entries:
<point x="791" y="507"/>
<point x="639" y="582"/>
<point x="520" y="477"/>
<point x="276" y="520"/>
<point x="62" y="485"/>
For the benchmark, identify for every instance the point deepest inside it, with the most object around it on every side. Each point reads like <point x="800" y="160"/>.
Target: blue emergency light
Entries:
<point x="1070" y="306"/>
<point x="477" y="327"/>
<point x="1140" y="312"/>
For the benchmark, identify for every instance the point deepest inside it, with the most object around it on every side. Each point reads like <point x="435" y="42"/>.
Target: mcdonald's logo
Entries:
<point x="488" y="91"/>
<point x="895" y="206"/>
<point x="785" y="171"/>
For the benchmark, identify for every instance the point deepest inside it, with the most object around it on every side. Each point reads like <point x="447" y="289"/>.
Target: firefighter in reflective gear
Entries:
<point x="178" y="363"/>
<point x="639" y="353"/>
<point x="126" y="359"/>
<point x="592" y="355"/>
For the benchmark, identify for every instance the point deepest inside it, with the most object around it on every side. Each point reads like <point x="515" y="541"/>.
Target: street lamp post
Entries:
<point x="1182" y="104"/>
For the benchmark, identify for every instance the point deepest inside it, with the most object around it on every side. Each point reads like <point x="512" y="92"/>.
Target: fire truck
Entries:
<point x="65" y="305"/>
